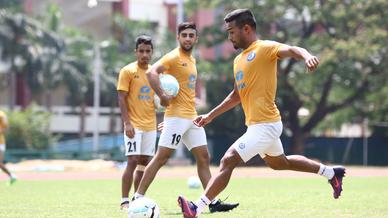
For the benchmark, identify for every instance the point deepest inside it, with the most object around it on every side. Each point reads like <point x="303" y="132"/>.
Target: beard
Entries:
<point x="187" y="49"/>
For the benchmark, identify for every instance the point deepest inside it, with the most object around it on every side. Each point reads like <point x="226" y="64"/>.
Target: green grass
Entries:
<point x="265" y="197"/>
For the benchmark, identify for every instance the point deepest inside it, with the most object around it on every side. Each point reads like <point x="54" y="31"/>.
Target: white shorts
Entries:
<point x="176" y="128"/>
<point x="262" y="139"/>
<point x="142" y="144"/>
<point x="2" y="147"/>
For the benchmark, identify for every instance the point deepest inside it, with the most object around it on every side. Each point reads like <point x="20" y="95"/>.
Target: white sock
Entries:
<point x="202" y="203"/>
<point x="12" y="176"/>
<point x="326" y="171"/>
<point x="214" y="201"/>
<point x="124" y="199"/>
<point x="137" y="195"/>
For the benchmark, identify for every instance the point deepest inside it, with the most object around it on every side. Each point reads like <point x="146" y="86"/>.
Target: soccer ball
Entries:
<point x="143" y="208"/>
<point x="169" y="84"/>
<point x="158" y="106"/>
<point x="193" y="182"/>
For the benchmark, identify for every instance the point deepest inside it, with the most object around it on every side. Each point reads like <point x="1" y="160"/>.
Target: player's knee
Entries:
<point x="143" y="161"/>
<point x="161" y="160"/>
<point x="228" y="161"/>
<point x="203" y="159"/>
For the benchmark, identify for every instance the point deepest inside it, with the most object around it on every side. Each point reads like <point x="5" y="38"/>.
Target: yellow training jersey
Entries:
<point x="3" y="126"/>
<point x="255" y="76"/>
<point x="182" y="67"/>
<point x="141" y="108"/>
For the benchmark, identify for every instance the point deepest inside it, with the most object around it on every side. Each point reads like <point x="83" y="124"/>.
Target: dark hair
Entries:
<point x="241" y="17"/>
<point x="144" y="39"/>
<point x="186" y="25"/>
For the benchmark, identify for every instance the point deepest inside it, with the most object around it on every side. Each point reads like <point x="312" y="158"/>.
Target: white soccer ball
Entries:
<point x="158" y="106"/>
<point x="143" y="208"/>
<point x="193" y="182"/>
<point x="169" y="84"/>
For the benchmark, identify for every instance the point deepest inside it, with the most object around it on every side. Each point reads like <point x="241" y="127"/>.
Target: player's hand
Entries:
<point x="129" y="130"/>
<point x="160" y="126"/>
<point x="202" y="120"/>
<point x="165" y="100"/>
<point x="312" y="63"/>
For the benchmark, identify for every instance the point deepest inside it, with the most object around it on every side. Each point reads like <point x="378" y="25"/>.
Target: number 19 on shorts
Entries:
<point x="176" y="139"/>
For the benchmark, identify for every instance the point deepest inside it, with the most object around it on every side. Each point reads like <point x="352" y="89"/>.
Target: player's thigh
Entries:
<point x="259" y="139"/>
<point x="148" y="143"/>
<point x="195" y="137"/>
<point x="173" y="129"/>
<point x="143" y="160"/>
<point x="132" y="145"/>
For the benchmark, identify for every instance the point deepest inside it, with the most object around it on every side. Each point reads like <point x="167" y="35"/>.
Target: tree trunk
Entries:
<point x="82" y="122"/>
<point x="49" y="102"/>
<point x="297" y="142"/>
<point x="112" y="120"/>
<point x="12" y="90"/>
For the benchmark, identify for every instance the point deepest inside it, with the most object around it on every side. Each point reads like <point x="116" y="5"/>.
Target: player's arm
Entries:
<point x="299" y="53"/>
<point x="5" y="122"/>
<point x="123" y="104"/>
<point x="228" y="103"/>
<point x="153" y="79"/>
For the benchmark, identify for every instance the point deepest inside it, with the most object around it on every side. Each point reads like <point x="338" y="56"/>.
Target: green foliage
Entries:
<point x="349" y="37"/>
<point x="29" y="129"/>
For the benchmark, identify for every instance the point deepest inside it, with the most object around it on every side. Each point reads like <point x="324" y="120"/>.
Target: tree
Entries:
<point x="27" y="47"/>
<point x="349" y="38"/>
<point x="28" y="129"/>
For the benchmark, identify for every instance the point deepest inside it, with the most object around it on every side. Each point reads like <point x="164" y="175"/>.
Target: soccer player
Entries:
<point x="136" y="101"/>
<point x="178" y="126"/>
<point x="255" y="88"/>
<point x="3" y="128"/>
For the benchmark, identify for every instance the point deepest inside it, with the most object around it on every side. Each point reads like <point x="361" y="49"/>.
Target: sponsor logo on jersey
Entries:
<point x="239" y="77"/>
<point x="145" y="89"/>
<point x="192" y="79"/>
<point x="144" y="93"/>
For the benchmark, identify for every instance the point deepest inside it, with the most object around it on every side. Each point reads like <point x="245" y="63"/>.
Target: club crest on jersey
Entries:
<point x="251" y="56"/>
<point x="241" y="145"/>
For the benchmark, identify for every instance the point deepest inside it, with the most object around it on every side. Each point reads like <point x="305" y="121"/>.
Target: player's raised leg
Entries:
<point x="303" y="164"/>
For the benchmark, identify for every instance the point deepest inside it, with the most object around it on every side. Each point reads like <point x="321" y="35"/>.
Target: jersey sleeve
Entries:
<point x="167" y="61"/>
<point x="124" y="81"/>
<point x="272" y="49"/>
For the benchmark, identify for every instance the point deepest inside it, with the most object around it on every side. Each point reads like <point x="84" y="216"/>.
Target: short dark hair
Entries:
<point x="144" y="39"/>
<point x="241" y="17"/>
<point x="186" y="25"/>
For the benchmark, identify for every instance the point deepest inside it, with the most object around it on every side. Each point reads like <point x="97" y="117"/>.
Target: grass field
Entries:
<point x="258" y="197"/>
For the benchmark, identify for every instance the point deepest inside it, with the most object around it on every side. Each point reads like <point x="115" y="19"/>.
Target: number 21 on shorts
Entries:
<point x="131" y="146"/>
